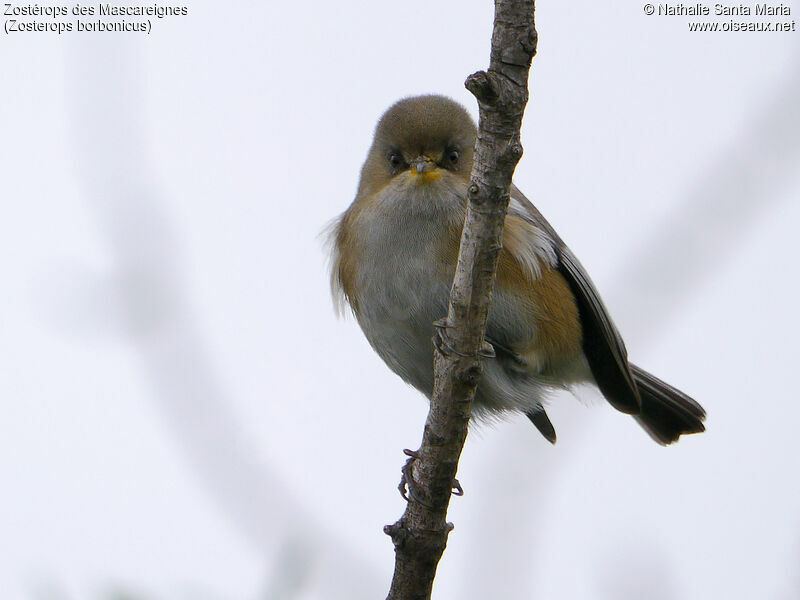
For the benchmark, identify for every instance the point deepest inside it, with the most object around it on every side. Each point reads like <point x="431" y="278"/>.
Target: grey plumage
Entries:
<point x="394" y="255"/>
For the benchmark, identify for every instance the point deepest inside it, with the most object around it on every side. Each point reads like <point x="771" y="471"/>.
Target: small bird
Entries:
<point x="394" y="253"/>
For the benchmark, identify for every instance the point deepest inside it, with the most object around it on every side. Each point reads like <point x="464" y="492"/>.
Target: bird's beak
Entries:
<point x="424" y="169"/>
<point x="422" y="164"/>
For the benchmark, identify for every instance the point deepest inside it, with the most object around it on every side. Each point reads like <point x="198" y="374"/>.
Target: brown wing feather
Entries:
<point x="602" y="344"/>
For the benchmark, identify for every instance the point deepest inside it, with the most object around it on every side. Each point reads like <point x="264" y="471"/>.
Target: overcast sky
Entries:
<point x="185" y="418"/>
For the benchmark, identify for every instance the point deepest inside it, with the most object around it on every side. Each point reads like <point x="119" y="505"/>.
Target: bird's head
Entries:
<point x="420" y="141"/>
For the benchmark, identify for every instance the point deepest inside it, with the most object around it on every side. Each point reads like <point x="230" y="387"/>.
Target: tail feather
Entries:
<point x="667" y="413"/>
<point x="543" y="424"/>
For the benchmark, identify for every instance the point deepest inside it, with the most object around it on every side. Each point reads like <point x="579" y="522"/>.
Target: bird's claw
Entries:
<point x="442" y="323"/>
<point x="440" y="341"/>
<point x="443" y="346"/>
<point x="408" y="485"/>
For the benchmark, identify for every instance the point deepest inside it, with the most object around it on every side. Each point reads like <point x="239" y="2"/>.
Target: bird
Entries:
<point x="393" y="257"/>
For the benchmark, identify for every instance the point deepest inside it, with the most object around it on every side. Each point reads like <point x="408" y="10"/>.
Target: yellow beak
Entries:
<point x="424" y="169"/>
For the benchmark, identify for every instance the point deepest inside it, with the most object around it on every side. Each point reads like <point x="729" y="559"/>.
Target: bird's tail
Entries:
<point x="667" y="413"/>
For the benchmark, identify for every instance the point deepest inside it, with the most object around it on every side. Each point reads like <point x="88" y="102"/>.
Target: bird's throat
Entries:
<point x="426" y="176"/>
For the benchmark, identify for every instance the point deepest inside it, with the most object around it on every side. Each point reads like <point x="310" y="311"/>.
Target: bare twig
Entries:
<point x="420" y="536"/>
<point x="648" y="294"/>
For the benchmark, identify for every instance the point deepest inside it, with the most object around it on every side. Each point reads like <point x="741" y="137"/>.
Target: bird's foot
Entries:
<point x="408" y="486"/>
<point x="443" y="345"/>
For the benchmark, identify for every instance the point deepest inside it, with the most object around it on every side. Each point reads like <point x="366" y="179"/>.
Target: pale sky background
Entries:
<point x="185" y="418"/>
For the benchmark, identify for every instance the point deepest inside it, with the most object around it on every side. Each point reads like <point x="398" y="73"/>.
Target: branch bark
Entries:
<point x="420" y="536"/>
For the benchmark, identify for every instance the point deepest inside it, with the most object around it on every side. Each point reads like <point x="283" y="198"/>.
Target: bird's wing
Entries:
<point x="602" y="344"/>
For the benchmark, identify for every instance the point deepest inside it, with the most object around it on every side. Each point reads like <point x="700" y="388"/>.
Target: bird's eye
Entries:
<point x="395" y="160"/>
<point x="453" y="157"/>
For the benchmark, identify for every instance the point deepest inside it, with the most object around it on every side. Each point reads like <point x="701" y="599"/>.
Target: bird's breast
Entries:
<point x="396" y="257"/>
<point x="401" y="245"/>
<point x="406" y="259"/>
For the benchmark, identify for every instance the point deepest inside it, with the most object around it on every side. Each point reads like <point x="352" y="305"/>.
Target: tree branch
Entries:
<point x="420" y="536"/>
